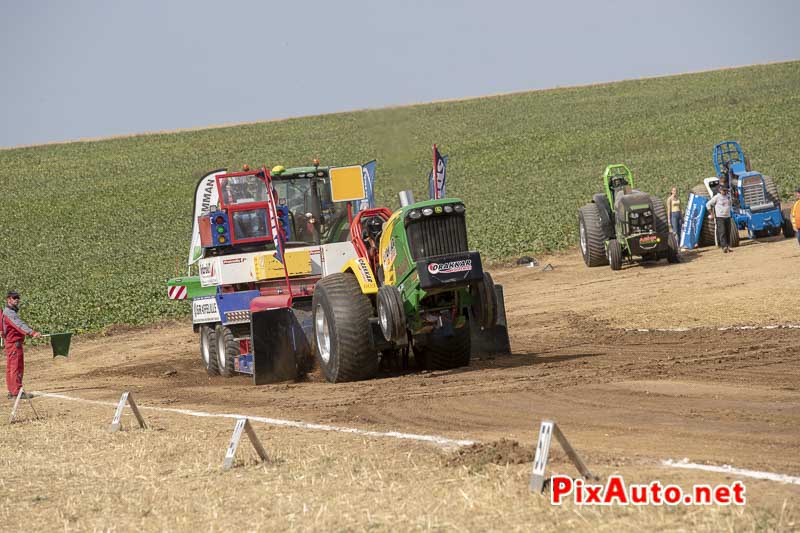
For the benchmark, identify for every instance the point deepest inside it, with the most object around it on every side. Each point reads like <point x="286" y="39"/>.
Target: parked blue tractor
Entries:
<point x="756" y="204"/>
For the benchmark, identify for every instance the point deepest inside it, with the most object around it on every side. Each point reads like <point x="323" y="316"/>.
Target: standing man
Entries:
<point x="674" y="210"/>
<point x="14" y="331"/>
<point x="721" y="202"/>
<point x="796" y="214"/>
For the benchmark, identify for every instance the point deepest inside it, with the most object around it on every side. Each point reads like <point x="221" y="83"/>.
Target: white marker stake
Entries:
<point x="242" y="425"/>
<point x="540" y="460"/>
<point x="547" y="430"/>
<point x="126" y="398"/>
<point x="13" y="416"/>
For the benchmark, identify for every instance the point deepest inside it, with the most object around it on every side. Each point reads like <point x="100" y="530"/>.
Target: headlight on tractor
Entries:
<point x="459" y="208"/>
<point x="414" y="214"/>
<point x="427" y="211"/>
<point x="448" y="208"/>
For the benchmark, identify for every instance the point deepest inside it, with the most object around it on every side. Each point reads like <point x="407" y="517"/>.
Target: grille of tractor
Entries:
<point x="437" y="235"/>
<point x="753" y="191"/>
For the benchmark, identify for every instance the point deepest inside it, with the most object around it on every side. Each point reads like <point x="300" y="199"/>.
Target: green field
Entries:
<point x="91" y="230"/>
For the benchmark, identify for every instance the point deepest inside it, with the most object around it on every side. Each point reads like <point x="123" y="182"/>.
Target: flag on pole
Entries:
<point x="437" y="184"/>
<point x="368" y="175"/>
<point x="277" y="234"/>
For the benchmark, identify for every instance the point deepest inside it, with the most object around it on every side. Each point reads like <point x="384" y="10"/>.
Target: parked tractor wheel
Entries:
<point x="341" y="314"/>
<point x="227" y="351"/>
<point x="437" y="351"/>
<point x="391" y="314"/>
<point x="591" y="235"/>
<point x="788" y="228"/>
<point x="707" y="230"/>
<point x="733" y="238"/>
<point x="673" y="253"/>
<point x="772" y="189"/>
<point x="208" y="349"/>
<point x="614" y="254"/>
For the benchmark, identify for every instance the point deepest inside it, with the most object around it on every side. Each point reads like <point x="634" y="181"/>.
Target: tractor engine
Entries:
<point x="635" y="213"/>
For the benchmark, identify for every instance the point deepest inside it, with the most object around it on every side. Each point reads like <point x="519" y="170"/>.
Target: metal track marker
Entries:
<point x="547" y="430"/>
<point x="13" y="416"/>
<point x="242" y="424"/>
<point x="126" y="397"/>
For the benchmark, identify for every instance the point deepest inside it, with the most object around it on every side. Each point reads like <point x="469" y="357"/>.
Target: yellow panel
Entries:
<point x="347" y="184"/>
<point x="268" y="267"/>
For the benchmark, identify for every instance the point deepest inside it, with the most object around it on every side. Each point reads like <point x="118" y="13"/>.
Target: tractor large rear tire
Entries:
<point x="788" y="228"/>
<point x="437" y="351"/>
<point x="772" y="190"/>
<point x="227" y="351"/>
<point x="592" y="238"/>
<point x="660" y="212"/>
<point x="208" y="349"/>
<point x="614" y="254"/>
<point x="341" y="329"/>
<point x="707" y="237"/>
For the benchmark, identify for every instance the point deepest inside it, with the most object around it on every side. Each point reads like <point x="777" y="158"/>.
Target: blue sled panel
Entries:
<point x="693" y="221"/>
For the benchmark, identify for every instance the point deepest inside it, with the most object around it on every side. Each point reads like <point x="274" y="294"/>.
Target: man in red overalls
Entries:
<point x="14" y="331"/>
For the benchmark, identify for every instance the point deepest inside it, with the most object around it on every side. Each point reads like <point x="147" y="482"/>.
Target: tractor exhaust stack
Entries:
<point x="406" y="198"/>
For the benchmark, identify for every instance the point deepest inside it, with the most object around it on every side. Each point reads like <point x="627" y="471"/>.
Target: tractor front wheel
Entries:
<point x="484" y="302"/>
<point x="341" y="329"/>
<point x="734" y="236"/>
<point x="227" y="351"/>
<point x="438" y="351"/>
<point x="208" y="349"/>
<point x="614" y="254"/>
<point x="391" y="314"/>
<point x="673" y="254"/>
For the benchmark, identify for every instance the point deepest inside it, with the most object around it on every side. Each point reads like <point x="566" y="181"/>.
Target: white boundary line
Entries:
<point x="724" y="328"/>
<point x="728" y="469"/>
<point x="433" y="439"/>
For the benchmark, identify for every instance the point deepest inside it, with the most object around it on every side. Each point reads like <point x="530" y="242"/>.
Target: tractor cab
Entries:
<point x="307" y="213"/>
<point x="618" y="181"/>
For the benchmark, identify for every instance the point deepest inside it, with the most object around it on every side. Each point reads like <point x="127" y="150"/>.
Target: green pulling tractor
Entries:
<point x="420" y="287"/>
<point x="623" y="223"/>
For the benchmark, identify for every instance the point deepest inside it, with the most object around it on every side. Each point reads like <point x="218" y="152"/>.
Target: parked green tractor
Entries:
<point x="623" y="223"/>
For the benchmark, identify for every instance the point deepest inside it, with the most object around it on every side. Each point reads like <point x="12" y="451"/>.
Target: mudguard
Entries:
<point x="280" y="346"/>
<point x="363" y="273"/>
<point x="492" y="340"/>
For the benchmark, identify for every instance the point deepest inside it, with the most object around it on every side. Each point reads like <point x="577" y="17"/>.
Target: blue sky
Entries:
<point x="90" y="68"/>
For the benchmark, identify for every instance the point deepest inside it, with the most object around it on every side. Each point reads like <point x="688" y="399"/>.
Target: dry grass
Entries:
<point x="68" y="472"/>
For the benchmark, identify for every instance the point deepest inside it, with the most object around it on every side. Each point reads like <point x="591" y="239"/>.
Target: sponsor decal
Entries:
<point x="401" y="268"/>
<point x="208" y="272"/>
<point x="647" y="239"/>
<point x="389" y="254"/>
<point x="233" y="261"/>
<point x="451" y="267"/>
<point x="365" y="273"/>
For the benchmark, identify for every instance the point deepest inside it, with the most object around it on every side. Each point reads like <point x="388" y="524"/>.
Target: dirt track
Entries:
<point x="620" y="394"/>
